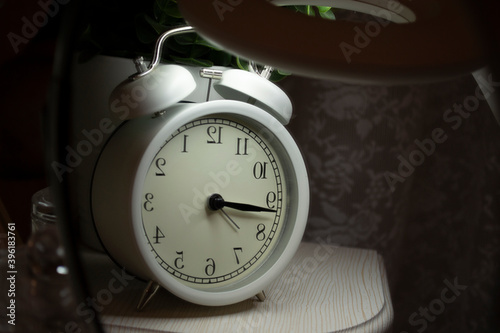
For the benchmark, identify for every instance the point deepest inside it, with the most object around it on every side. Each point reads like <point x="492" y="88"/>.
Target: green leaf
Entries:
<point x="158" y="27"/>
<point x="198" y="51"/>
<point x="171" y="44"/>
<point x="277" y="76"/>
<point x="329" y="15"/>
<point x="159" y="11"/>
<point x="220" y="58"/>
<point x="147" y="28"/>
<point x="166" y="9"/>
<point x="324" y="9"/>
<point x="302" y="9"/>
<point x="190" y="39"/>
<point x="282" y="72"/>
<point x="242" y="63"/>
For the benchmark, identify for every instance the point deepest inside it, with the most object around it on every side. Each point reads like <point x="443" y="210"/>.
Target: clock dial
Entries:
<point x="214" y="201"/>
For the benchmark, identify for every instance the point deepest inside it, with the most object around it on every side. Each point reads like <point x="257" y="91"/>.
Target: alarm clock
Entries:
<point x="208" y="200"/>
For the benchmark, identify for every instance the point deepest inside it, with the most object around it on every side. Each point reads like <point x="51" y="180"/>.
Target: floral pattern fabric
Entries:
<point x="413" y="172"/>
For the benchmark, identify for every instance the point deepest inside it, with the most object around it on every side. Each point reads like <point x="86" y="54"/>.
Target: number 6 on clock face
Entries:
<point x="211" y="200"/>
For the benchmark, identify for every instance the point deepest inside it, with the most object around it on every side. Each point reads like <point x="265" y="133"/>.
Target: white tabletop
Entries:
<point x="324" y="289"/>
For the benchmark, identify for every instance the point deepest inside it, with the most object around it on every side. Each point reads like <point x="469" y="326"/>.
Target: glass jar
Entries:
<point x="43" y="211"/>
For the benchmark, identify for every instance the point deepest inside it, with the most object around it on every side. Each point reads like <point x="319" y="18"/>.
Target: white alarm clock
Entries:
<point x="208" y="200"/>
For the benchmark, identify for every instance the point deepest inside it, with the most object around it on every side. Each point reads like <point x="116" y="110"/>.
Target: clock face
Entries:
<point x="215" y="201"/>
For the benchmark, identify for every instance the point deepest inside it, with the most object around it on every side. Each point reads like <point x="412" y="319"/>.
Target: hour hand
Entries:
<point x="216" y="202"/>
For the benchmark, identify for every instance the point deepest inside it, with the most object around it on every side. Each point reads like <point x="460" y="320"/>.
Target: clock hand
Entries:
<point x="230" y="219"/>
<point x="216" y="202"/>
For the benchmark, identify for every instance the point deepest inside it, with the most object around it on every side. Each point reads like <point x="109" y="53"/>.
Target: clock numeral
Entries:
<point x="235" y="249"/>
<point x="259" y="170"/>
<point x="179" y="260"/>
<point x="160" y="162"/>
<point x="271" y="199"/>
<point x="184" y="145"/>
<point x="242" y="146"/>
<point x="148" y="204"/>
<point x="210" y="268"/>
<point x="215" y="134"/>
<point x="159" y="235"/>
<point x="260" y="232"/>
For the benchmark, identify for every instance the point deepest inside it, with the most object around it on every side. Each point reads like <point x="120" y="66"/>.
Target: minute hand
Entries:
<point x="247" y="207"/>
<point x="216" y="202"/>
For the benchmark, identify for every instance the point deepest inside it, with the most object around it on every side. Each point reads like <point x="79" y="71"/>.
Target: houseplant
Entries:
<point x="130" y="29"/>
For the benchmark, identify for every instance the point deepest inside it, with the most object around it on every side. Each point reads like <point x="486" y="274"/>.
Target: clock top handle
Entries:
<point x="430" y="40"/>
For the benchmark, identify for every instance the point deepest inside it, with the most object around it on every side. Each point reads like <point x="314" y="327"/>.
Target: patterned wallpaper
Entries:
<point x="413" y="172"/>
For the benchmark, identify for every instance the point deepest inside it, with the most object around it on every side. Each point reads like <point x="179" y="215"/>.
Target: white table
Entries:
<point x="325" y="289"/>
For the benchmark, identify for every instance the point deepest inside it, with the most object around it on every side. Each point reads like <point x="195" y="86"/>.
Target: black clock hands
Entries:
<point x="230" y="219"/>
<point x="216" y="202"/>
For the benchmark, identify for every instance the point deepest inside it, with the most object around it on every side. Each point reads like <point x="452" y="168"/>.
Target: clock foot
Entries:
<point x="148" y="294"/>
<point x="261" y="296"/>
